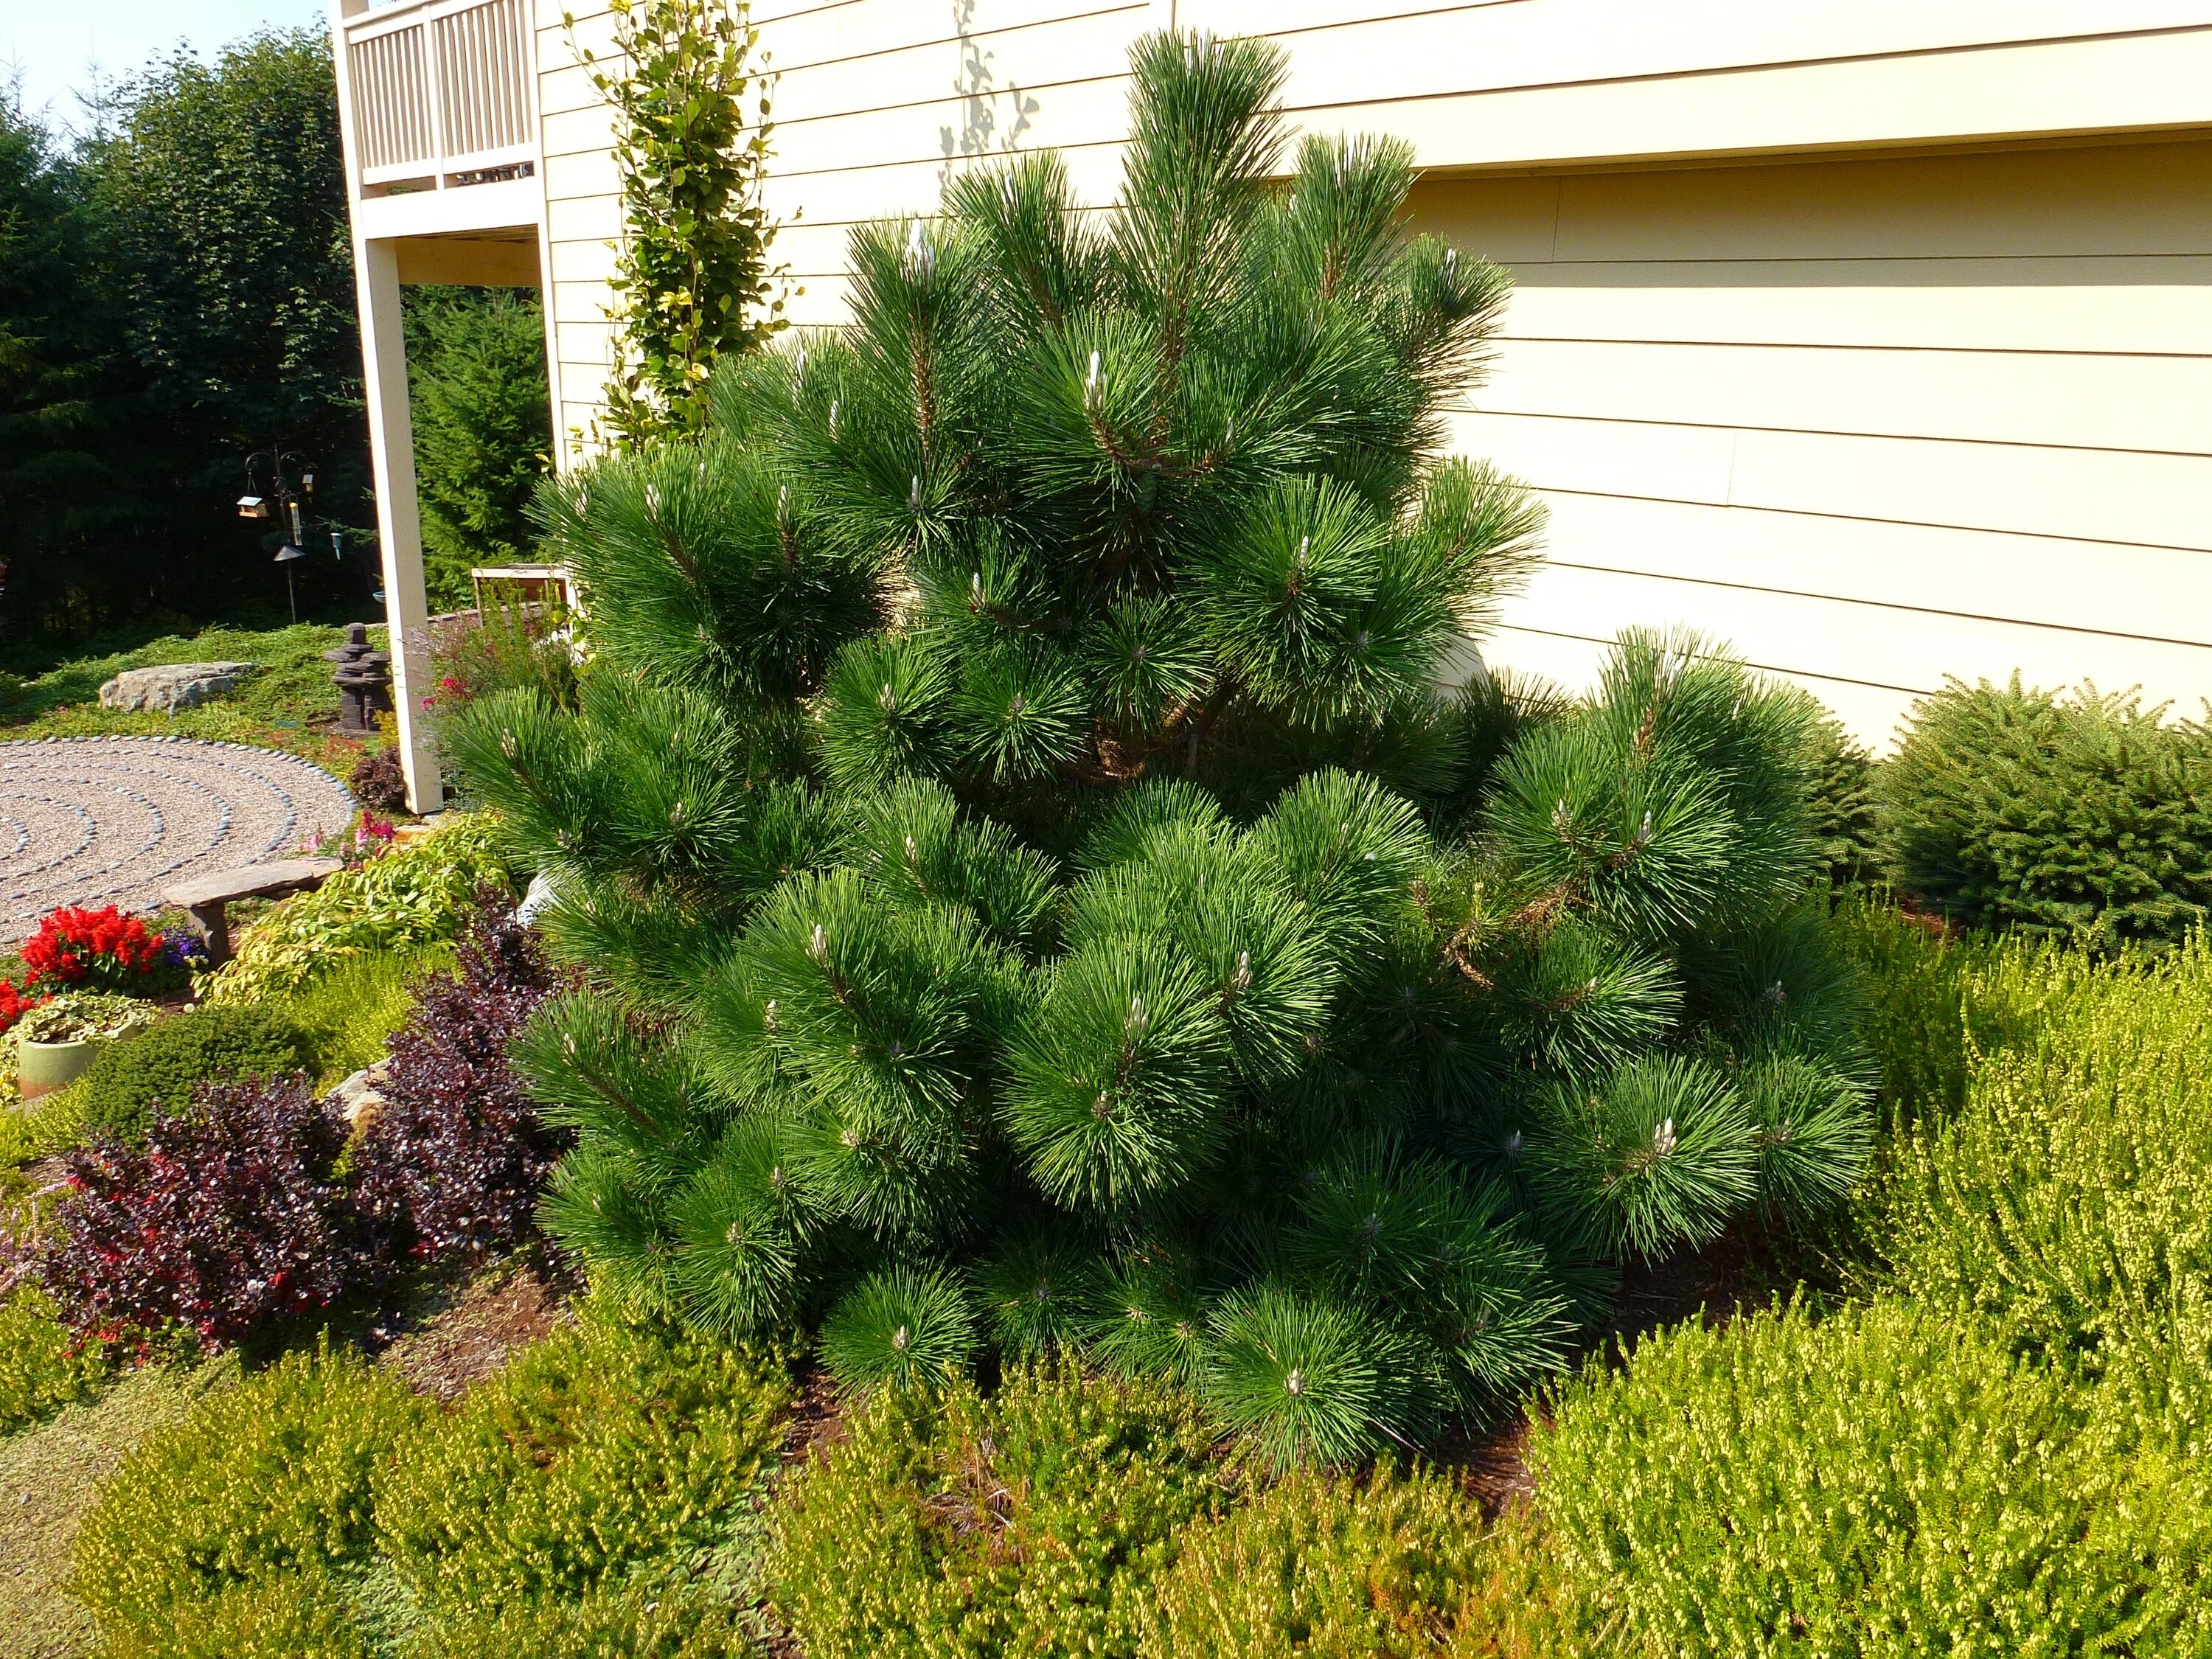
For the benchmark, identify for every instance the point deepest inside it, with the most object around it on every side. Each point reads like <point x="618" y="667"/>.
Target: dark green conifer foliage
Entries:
<point x="2082" y="815"/>
<point x="483" y="429"/>
<point x="1034" y="888"/>
<point x="903" y="1327"/>
<point x="1846" y="808"/>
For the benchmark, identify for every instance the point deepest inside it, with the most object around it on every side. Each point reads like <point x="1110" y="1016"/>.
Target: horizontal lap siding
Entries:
<point x="1345" y="47"/>
<point x="581" y="212"/>
<point x="1873" y="422"/>
<point x="881" y="103"/>
<point x="1541" y="82"/>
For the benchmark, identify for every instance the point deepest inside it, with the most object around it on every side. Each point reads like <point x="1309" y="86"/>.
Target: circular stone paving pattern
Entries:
<point x="99" y="821"/>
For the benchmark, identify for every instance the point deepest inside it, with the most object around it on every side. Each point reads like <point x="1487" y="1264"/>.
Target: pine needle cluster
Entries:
<point x="1035" y="889"/>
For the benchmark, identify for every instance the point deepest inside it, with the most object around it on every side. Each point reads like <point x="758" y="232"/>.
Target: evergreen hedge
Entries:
<point x="484" y="434"/>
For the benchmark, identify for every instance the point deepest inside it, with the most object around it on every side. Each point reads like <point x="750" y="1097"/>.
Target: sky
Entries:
<point x="56" y="47"/>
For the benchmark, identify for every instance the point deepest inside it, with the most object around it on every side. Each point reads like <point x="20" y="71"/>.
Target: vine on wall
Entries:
<point x="692" y="280"/>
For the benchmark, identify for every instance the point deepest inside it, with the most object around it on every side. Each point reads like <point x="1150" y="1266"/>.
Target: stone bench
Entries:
<point x="204" y="897"/>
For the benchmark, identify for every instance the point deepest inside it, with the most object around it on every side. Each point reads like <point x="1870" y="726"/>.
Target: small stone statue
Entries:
<point x="364" y="679"/>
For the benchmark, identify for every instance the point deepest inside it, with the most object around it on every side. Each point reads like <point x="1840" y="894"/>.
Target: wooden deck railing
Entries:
<point x="441" y="92"/>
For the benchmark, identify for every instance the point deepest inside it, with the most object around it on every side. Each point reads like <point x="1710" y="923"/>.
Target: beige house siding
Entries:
<point x="876" y="102"/>
<point x="881" y="101"/>
<point x="583" y="215"/>
<point x="1873" y="421"/>
<point x="1874" y="338"/>
<point x="1538" y="82"/>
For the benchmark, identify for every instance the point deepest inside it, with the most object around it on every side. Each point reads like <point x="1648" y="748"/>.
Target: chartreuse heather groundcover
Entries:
<point x="1032" y="890"/>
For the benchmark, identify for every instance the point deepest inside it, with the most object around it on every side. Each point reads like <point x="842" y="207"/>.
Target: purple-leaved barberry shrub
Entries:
<point x="455" y="1157"/>
<point x="234" y="1213"/>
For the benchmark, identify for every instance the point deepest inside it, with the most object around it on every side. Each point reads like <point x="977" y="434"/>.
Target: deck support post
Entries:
<point x="398" y="517"/>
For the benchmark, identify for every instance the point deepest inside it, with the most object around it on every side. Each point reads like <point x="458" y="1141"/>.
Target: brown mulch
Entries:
<point x="1718" y="1280"/>
<point x="1491" y="1462"/>
<point x="817" y="1418"/>
<point x="477" y="1329"/>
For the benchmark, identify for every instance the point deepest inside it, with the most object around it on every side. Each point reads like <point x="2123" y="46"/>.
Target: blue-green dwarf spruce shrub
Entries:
<point x="1846" y="808"/>
<point x="154" y="1074"/>
<point x="1035" y="1521"/>
<point x="2084" y="817"/>
<point x="1029" y="880"/>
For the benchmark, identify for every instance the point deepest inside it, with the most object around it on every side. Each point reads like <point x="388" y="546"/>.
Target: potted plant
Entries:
<point x="56" y="1040"/>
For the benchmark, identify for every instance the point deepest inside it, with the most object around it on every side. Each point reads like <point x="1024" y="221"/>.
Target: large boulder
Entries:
<point x="171" y="686"/>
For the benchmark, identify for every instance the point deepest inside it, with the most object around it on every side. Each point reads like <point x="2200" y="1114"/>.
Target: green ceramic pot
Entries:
<point x="43" y="1067"/>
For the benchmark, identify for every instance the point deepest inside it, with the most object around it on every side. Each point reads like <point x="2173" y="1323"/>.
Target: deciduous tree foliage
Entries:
<point x="58" y="384"/>
<point x="221" y="192"/>
<point x="187" y="290"/>
<point x="1032" y="885"/>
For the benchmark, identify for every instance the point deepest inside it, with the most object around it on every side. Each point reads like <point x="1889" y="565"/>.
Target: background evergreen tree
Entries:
<point x="1032" y="886"/>
<point x="59" y="385"/>
<point x="483" y="429"/>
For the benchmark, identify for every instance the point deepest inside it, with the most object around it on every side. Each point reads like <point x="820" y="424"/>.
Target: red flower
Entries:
<point x="105" y="948"/>
<point x="14" y="1004"/>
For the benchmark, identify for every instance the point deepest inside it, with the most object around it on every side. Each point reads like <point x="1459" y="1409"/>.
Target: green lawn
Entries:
<point x="289" y="704"/>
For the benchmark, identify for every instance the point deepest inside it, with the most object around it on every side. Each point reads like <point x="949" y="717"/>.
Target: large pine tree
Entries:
<point x="1034" y="887"/>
